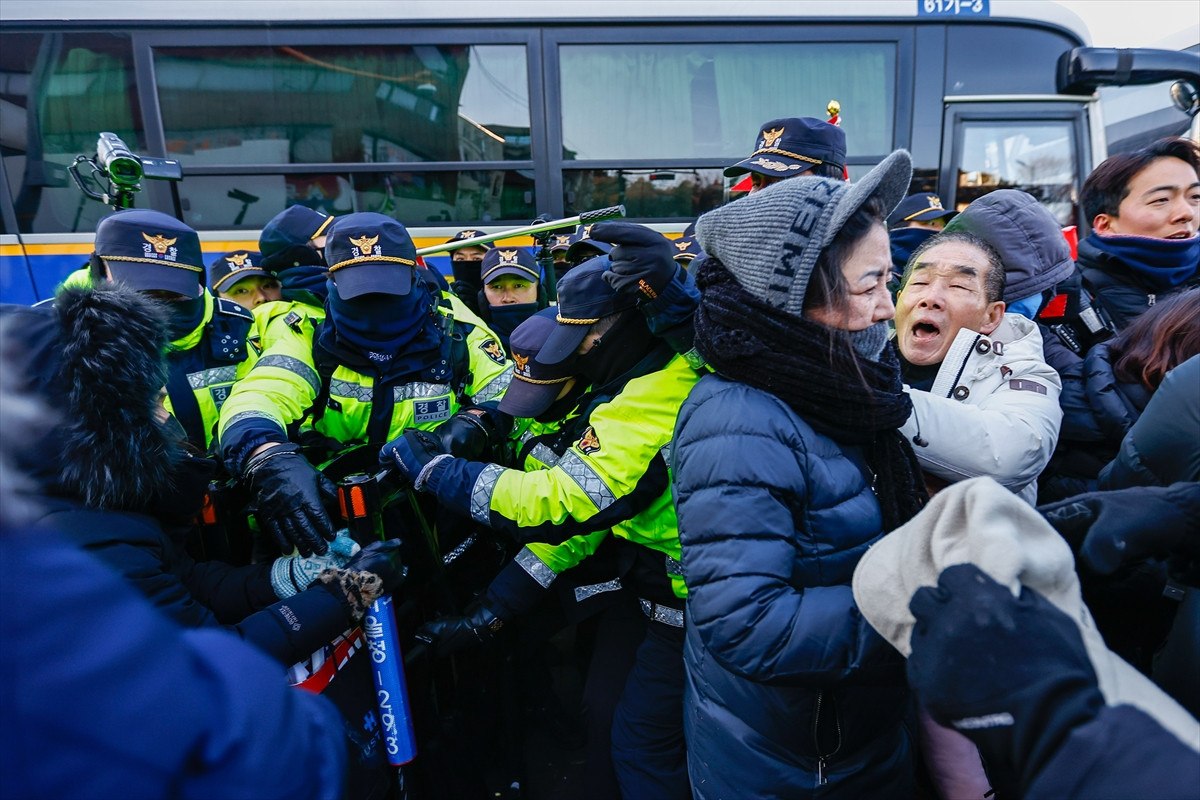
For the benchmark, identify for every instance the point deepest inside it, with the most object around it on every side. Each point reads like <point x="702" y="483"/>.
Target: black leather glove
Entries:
<point x="411" y="453"/>
<point x="1109" y="529"/>
<point x="470" y="434"/>
<point x="382" y="559"/>
<point x="449" y="635"/>
<point x="289" y="496"/>
<point x="642" y="261"/>
<point x="1010" y="673"/>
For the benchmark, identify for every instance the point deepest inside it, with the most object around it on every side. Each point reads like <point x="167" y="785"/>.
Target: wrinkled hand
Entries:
<point x="290" y="499"/>
<point x="642" y="260"/>
<point x="449" y="635"/>
<point x="1010" y="673"/>
<point x="411" y="454"/>
<point x="1109" y="529"/>
<point x="291" y="575"/>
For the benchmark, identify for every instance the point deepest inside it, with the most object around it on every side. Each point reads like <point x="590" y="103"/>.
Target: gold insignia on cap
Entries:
<point x="364" y="242"/>
<point x="771" y="138"/>
<point x="468" y="235"/>
<point x="238" y="260"/>
<point x="936" y="202"/>
<point x="563" y="239"/>
<point x="681" y="246"/>
<point x="521" y="361"/>
<point x="587" y="232"/>
<point x="509" y="256"/>
<point x="159" y="242"/>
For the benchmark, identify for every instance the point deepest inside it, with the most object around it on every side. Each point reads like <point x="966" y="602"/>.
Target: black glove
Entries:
<point x="289" y="496"/>
<point x="1109" y="529"/>
<point x="373" y="572"/>
<point x="411" y="453"/>
<point x="449" y="635"/>
<point x="642" y="261"/>
<point x="1009" y="673"/>
<point x="469" y="434"/>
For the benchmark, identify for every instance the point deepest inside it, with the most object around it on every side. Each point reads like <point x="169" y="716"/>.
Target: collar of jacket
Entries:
<point x="973" y="354"/>
<point x="193" y="338"/>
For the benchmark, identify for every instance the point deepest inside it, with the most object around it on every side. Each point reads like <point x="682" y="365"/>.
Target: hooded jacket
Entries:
<point x="992" y="410"/>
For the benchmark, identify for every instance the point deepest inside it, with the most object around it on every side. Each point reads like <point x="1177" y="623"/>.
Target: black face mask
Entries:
<point x="184" y="316"/>
<point x="564" y="405"/>
<point x="618" y="350"/>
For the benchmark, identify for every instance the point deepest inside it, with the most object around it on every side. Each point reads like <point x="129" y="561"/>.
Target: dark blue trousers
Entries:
<point x="648" y="752"/>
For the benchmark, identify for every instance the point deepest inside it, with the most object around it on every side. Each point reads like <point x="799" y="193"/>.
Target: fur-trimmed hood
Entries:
<point x="95" y="358"/>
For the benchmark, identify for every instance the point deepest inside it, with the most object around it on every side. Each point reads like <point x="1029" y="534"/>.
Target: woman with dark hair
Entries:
<point x="788" y="466"/>
<point x="1119" y="377"/>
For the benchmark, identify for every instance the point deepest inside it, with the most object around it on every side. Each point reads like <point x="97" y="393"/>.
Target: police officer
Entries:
<point x="160" y="256"/>
<point x="793" y="146"/>
<point x="582" y="247"/>
<point x="512" y="290"/>
<point x="389" y="355"/>
<point x="614" y="475"/>
<point x="239" y="276"/>
<point x="293" y="248"/>
<point x="465" y="264"/>
<point x="918" y="217"/>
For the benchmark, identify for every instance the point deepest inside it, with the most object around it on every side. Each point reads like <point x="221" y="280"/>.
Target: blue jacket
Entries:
<point x="781" y="667"/>
<point x="105" y="697"/>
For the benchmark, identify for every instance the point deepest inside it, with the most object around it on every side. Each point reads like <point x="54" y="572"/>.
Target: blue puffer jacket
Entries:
<point x="782" y="670"/>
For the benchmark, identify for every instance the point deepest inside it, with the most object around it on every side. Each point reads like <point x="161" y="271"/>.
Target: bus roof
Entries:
<point x="154" y="12"/>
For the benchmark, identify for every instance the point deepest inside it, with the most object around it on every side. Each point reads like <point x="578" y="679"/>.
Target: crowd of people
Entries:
<point x="845" y="494"/>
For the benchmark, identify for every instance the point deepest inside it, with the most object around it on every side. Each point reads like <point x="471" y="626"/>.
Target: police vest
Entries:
<point x="291" y="386"/>
<point x="203" y="366"/>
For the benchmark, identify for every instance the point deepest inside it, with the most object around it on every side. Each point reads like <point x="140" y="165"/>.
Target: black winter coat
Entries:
<point x="203" y="594"/>
<point x="1121" y="291"/>
<point x="1098" y="410"/>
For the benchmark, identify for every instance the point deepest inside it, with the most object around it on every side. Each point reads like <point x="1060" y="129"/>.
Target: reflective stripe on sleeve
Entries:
<point x="245" y="415"/>
<point x="415" y="390"/>
<point x="481" y="493"/>
<point x="294" y="366"/>
<point x="586" y="592"/>
<point x="590" y="482"/>
<point x="536" y="568"/>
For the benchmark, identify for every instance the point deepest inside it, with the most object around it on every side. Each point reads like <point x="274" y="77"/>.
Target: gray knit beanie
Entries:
<point x="1028" y="238"/>
<point x="770" y="240"/>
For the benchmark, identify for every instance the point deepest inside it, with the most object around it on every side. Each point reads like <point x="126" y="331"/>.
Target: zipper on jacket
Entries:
<point x="1151" y="300"/>
<point x="823" y="758"/>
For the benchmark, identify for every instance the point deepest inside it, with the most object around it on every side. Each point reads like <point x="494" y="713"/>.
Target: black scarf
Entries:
<point x="184" y="316"/>
<point x="852" y="400"/>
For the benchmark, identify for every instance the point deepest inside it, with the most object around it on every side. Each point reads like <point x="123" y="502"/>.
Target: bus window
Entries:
<point x="367" y="103"/>
<point x="704" y="100"/>
<point x="417" y="197"/>
<point x="655" y="194"/>
<point x="59" y="91"/>
<point x="1037" y="157"/>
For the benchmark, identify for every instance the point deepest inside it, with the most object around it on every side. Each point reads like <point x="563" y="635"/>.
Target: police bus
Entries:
<point x="449" y="115"/>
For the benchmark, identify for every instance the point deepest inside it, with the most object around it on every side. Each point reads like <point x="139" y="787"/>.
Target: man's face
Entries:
<point x="944" y="294"/>
<point x="253" y="291"/>
<point x="1163" y="203"/>
<point x="468" y="254"/>
<point x="509" y="290"/>
<point x="758" y="181"/>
